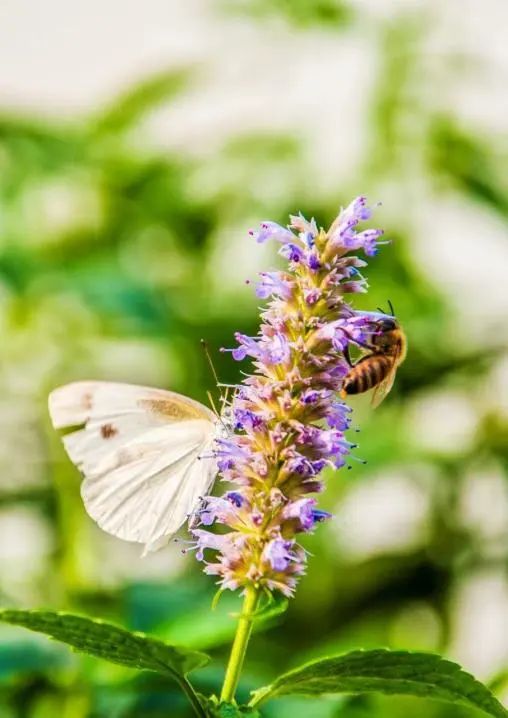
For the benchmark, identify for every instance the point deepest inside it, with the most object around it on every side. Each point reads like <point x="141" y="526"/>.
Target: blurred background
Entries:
<point x="138" y="144"/>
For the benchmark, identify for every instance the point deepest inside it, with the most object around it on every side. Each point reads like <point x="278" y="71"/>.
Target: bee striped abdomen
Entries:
<point x="367" y="373"/>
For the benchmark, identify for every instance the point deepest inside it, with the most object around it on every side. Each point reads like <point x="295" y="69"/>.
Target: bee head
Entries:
<point x="386" y="331"/>
<point x="387" y="324"/>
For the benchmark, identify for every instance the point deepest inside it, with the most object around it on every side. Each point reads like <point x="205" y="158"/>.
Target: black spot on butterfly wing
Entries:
<point x="108" y="431"/>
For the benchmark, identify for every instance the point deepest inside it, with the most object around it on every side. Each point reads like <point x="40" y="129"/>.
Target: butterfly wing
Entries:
<point x="139" y="450"/>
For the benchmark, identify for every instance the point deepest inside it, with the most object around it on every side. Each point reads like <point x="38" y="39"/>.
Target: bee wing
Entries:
<point x="139" y="450"/>
<point x="383" y="388"/>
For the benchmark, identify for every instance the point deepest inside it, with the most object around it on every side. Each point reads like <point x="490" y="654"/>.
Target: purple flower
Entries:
<point x="273" y="284"/>
<point x="276" y="349"/>
<point x="320" y="516"/>
<point x="247" y="419"/>
<point x="312" y="296"/>
<point x="287" y="421"/>
<point x="312" y="396"/>
<point x="337" y="415"/>
<point x="335" y="333"/>
<point x="367" y="241"/>
<point x="248" y="346"/>
<point x="303" y="511"/>
<point x="299" y="464"/>
<point x="206" y="539"/>
<point x="342" y="235"/>
<point x="313" y="261"/>
<point x="357" y="210"/>
<point x="356" y="328"/>
<point x="272" y="230"/>
<point x="305" y="514"/>
<point x="230" y="454"/>
<point x="277" y="554"/>
<point x="216" y="509"/>
<point x="303" y="226"/>
<point x="269" y="349"/>
<point x="292" y="252"/>
<point x="235" y="498"/>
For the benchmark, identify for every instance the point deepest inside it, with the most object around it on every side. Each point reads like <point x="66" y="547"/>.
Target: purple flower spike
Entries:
<point x="286" y="423"/>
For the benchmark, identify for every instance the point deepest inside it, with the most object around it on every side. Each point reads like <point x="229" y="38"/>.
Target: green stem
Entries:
<point x="193" y="698"/>
<point x="239" y="647"/>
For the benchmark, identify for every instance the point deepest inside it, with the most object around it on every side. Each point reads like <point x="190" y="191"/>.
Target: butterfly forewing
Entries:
<point x="145" y="455"/>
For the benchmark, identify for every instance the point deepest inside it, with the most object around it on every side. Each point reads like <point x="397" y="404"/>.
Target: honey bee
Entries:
<point x="376" y="369"/>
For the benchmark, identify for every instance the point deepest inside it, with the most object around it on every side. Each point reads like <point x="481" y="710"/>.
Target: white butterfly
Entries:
<point x="146" y="455"/>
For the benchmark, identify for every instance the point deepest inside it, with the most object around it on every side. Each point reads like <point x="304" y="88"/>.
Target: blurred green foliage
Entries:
<point x="115" y="259"/>
<point x="300" y="13"/>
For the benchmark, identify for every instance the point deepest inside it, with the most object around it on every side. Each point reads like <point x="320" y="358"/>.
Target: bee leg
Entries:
<point x="363" y="345"/>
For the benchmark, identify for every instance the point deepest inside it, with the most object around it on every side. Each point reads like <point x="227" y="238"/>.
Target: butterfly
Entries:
<point x="146" y="455"/>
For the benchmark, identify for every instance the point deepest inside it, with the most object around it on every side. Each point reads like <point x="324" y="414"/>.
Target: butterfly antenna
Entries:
<point x="212" y="403"/>
<point x="223" y="395"/>
<point x="204" y="344"/>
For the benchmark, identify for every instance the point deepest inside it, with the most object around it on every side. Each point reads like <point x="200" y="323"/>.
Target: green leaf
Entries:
<point x="104" y="640"/>
<point x="389" y="672"/>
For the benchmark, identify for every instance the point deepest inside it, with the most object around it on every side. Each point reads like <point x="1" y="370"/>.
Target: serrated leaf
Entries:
<point x="390" y="672"/>
<point x="105" y="640"/>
